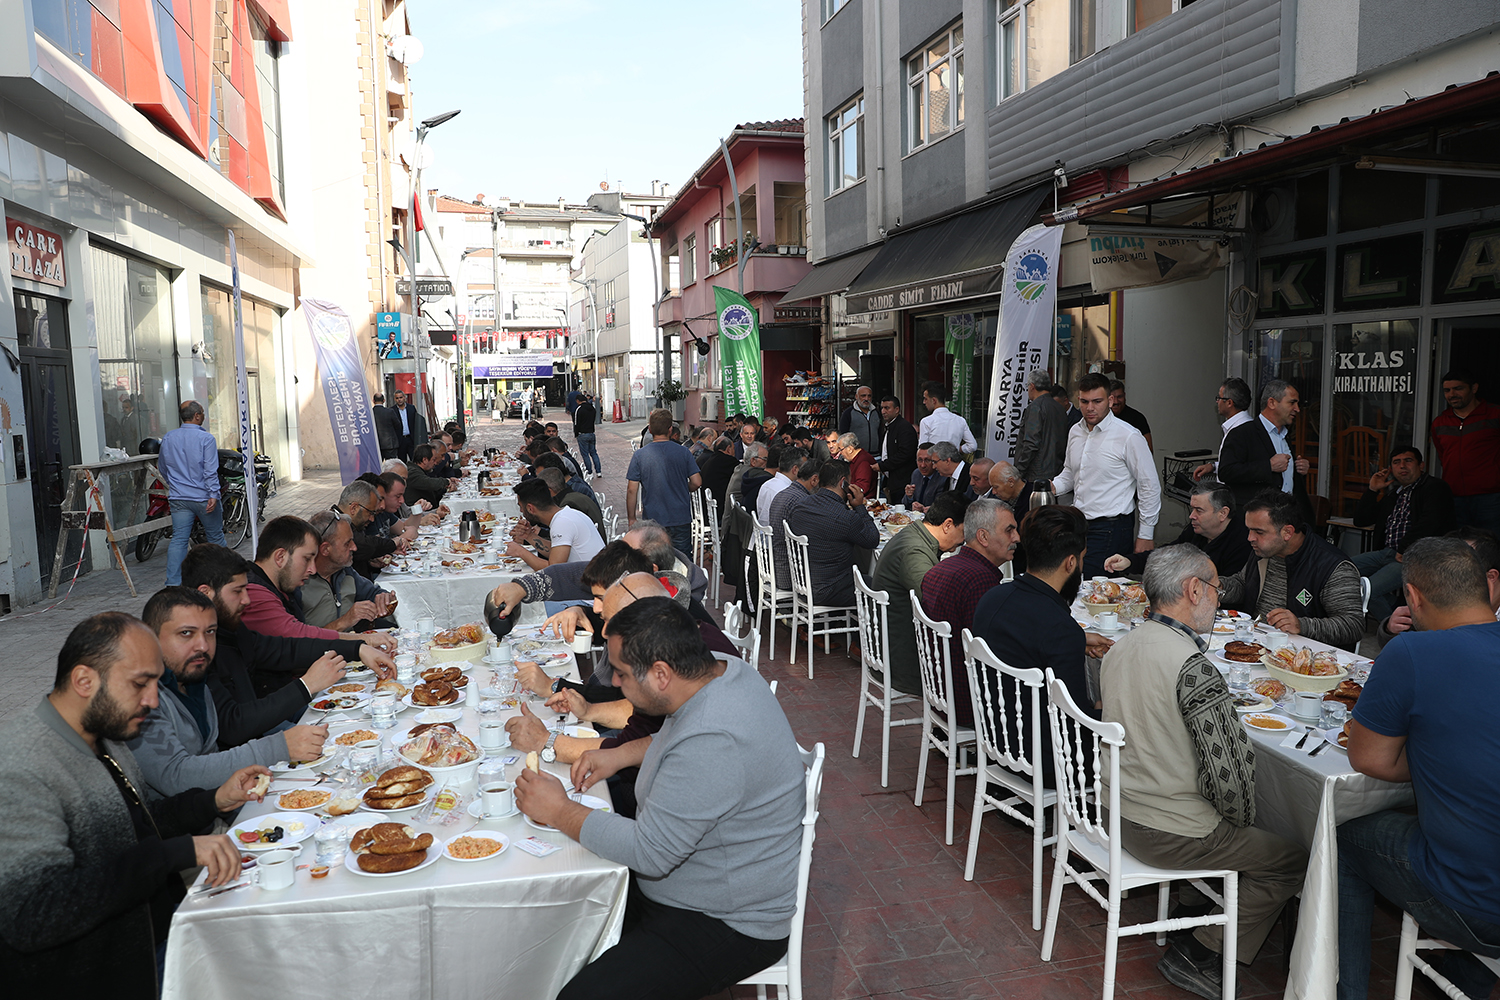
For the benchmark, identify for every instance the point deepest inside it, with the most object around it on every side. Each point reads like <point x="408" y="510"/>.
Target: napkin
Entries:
<point x="1292" y="738"/>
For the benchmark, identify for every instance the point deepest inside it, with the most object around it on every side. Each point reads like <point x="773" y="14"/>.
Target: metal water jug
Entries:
<point x="1041" y="494"/>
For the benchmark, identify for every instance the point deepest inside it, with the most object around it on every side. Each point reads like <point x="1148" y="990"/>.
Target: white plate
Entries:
<point x="592" y="801"/>
<point x="406" y="700"/>
<point x="1287" y="724"/>
<point x="362" y="686"/>
<point x="476" y="809"/>
<point x="284" y="769"/>
<point x="320" y="805"/>
<point x="1265" y="705"/>
<point x="491" y="834"/>
<point x="310" y="825"/>
<point x="439" y="715"/>
<point x="360" y="701"/>
<point x="1218" y="654"/>
<point x="351" y="862"/>
<point x="1332" y="736"/>
<point x="427" y="794"/>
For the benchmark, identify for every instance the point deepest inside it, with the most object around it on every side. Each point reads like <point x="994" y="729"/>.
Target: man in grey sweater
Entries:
<point x="178" y="745"/>
<point x="713" y="849"/>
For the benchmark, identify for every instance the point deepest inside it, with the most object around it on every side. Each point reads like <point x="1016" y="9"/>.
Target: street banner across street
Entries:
<point x="343" y="377"/>
<point x="1028" y="308"/>
<point x="242" y="389"/>
<point x="739" y="353"/>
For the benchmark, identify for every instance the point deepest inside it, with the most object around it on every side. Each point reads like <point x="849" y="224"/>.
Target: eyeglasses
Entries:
<point x="128" y="788"/>
<point x="1222" y="399"/>
<point x="1216" y="588"/>
<point x="338" y="516"/>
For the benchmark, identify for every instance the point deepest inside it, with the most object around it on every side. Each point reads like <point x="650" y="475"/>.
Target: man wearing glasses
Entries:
<point x="1187" y="773"/>
<point x="1233" y="404"/>
<point x="335" y="596"/>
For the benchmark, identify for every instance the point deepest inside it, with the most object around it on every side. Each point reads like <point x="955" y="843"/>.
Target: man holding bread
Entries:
<point x="713" y="848"/>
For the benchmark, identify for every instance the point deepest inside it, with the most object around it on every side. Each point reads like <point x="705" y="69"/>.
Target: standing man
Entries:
<point x="1467" y="438"/>
<point x="1256" y="455"/>
<point x="571" y="401"/>
<point x="189" y="464"/>
<point x="584" y="417"/>
<point x="862" y="420"/>
<point x="903" y="563"/>
<point x="668" y="474"/>
<point x="1129" y="414"/>
<point x="1108" y="467"/>
<point x="413" y="427"/>
<point x="1044" y="431"/>
<point x="1403" y="504"/>
<point x="1426" y="716"/>
<point x="1233" y="405"/>
<point x="1060" y="397"/>
<point x="898" y="449"/>
<point x="941" y="424"/>
<point x="387" y="427"/>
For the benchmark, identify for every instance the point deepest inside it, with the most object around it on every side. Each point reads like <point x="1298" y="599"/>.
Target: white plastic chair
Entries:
<point x="1010" y="754"/>
<point x="1407" y="961"/>
<point x="708" y="545"/>
<point x="875" y="671"/>
<point x="1364" y="594"/>
<point x="826" y="620"/>
<point x="696" y="526"/>
<point x="771" y="600"/>
<point x="749" y="643"/>
<point x="786" y="975"/>
<point x="940" y="729"/>
<point x="1088" y="824"/>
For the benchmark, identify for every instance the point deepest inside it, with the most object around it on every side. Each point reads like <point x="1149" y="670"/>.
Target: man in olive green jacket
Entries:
<point x="903" y="562"/>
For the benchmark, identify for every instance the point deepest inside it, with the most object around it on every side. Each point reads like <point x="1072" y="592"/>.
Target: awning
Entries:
<point x="956" y="258"/>
<point x="1479" y="100"/>
<point x="826" y="279"/>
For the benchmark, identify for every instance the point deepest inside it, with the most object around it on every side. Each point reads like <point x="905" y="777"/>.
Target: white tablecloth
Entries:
<point x="459" y="597"/>
<point x="512" y="926"/>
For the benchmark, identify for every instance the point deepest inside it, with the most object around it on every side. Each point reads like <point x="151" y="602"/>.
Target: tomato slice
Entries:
<point x="250" y="836"/>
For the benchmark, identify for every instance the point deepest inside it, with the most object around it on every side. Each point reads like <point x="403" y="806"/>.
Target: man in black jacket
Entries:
<point x="1213" y="526"/>
<point x="896" y="459"/>
<point x="421" y="484"/>
<point x="1256" y="456"/>
<point x="387" y="427"/>
<point x="301" y="667"/>
<point x="413" y="428"/>
<point x="1403" y="503"/>
<point x="1044" y="431"/>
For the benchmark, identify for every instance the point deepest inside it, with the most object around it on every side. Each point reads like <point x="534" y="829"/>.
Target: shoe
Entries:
<point x="1181" y="971"/>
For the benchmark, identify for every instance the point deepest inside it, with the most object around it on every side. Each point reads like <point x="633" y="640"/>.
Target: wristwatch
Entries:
<point x="557" y="684"/>
<point x="549" y="754"/>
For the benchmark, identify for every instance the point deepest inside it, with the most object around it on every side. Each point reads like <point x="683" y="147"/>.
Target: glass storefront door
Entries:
<point x="51" y="418"/>
<point x="1374" y="396"/>
<point x="1295" y="355"/>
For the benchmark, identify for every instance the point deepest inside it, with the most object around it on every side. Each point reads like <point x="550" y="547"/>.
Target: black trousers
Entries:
<point x="671" y="954"/>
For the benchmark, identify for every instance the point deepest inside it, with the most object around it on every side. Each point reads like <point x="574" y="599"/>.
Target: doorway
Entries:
<point x="51" y="419"/>
<point x="1471" y="344"/>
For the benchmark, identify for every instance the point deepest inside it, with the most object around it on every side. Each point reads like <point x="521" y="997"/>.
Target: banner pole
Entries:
<point x="242" y="389"/>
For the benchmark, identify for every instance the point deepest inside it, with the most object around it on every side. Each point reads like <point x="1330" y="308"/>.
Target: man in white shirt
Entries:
<point x="786" y="474"/>
<point x="1109" y="468"/>
<point x="573" y="537"/>
<point x="942" y="424"/>
<point x="1233" y="404"/>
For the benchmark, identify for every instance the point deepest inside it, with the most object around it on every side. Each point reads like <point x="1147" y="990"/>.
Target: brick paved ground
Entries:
<point x="889" y="914"/>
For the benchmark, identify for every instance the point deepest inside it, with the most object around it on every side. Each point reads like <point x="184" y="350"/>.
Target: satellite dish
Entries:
<point x="405" y="49"/>
<point x="424" y="156"/>
<point x="405" y="144"/>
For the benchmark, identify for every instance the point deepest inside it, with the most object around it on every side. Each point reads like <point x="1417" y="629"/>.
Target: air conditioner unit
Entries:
<point x="708" y="406"/>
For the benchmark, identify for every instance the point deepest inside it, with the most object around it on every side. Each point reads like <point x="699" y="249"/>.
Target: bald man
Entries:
<point x="1006" y="485"/>
<point x="979" y="475"/>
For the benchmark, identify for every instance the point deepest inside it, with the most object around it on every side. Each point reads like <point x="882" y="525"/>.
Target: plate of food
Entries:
<point x="1252" y="702"/>
<point x="443" y="751"/>
<point x="1302" y="669"/>
<point x="437" y="694"/>
<point x="304" y="799"/>
<point x="272" y="830"/>
<point x="1270" y="687"/>
<point x="349" y="687"/>
<point x="1241" y="652"/>
<point x="299" y="768"/>
<point x="354" y="736"/>
<point x="463" y="548"/>
<point x="476" y="845"/>
<point x="592" y="801"/>
<point x="454" y="675"/>
<point x="438" y="715"/>
<point x="340" y="703"/>
<point x="895" y="521"/>
<point x="1268" y="722"/>
<point x="1338" y="737"/>
<point x="461" y="643"/>
<point x="387" y="849"/>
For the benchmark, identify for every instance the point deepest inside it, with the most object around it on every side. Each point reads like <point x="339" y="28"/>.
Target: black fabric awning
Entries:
<point x="960" y="257"/>
<point x="834" y="276"/>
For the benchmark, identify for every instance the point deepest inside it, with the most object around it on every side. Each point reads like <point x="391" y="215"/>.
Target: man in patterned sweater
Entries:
<point x="1187" y="773"/>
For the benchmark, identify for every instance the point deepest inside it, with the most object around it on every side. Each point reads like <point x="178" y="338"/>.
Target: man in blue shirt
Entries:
<point x="1427" y="716"/>
<point x="189" y="464"/>
<point x="665" y="471"/>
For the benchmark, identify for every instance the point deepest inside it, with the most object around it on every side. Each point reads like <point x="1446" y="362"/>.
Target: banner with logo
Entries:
<point x="343" y="376"/>
<point x="1117" y="262"/>
<point x="958" y="344"/>
<point x="739" y="353"/>
<point x="242" y="390"/>
<point x="1028" y="307"/>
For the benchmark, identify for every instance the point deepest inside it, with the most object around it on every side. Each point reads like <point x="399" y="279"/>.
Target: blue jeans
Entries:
<point x="588" y="453"/>
<point x="1385" y="580"/>
<point x="1108" y="536"/>
<point x="1480" y="511"/>
<point x="184" y="513"/>
<point x="682" y="537"/>
<point x="1373" y="857"/>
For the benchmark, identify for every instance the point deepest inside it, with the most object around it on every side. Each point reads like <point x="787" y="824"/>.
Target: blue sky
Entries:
<point x="558" y="95"/>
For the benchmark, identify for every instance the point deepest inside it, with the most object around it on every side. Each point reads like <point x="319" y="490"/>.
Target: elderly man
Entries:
<point x="782" y="508"/>
<point x="898" y="449"/>
<point x="925" y="482"/>
<point x="362" y="502"/>
<point x="840" y="533"/>
<point x="1403" y="504"/>
<point x="952" y="589"/>
<point x="717" y="469"/>
<point x="178" y="747"/>
<point x="1233" y="406"/>
<point x="1044" y="431"/>
<point x="862" y="420"/>
<point x="1256" y="455"/>
<point x="285" y="558"/>
<point x="572" y="536"/>
<point x="1006" y="485"/>
<point x="1187" y="772"/>
<point x="979" y="477"/>
<point x="720" y="794"/>
<point x="89" y="878"/>
<point x="952" y="470"/>
<point x="942" y="424"/>
<point x="750" y="475"/>
<point x="861" y="465"/>
<point x="1213" y="525"/>
<point x="1310" y="588"/>
<point x="1420" y="719"/>
<point x="786" y="473"/>
<point x="1109" y="469"/>
<point x="903" y="563"/>
<point x="421" y="482"/>
<point x="669" y="476"/>
<point x="335" y="596"/>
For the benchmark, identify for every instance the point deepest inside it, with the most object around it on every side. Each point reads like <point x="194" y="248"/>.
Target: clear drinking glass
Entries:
<point x="1239" y="677"/>
<point x="1244" y="629"/>
<point x="1335" y="714"/>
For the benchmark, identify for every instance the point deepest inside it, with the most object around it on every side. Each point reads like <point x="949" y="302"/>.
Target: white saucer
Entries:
<point x="476" y="809"/>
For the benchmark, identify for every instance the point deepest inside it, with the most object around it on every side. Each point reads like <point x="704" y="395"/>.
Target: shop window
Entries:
<point x="791" y="214"/>
<point x="1371" y="198"/>
<point x="935" y="88"/>
<point x="956" y="349"/>
<point x="1311" y="213"/>
<point x="1034" y="43"/>
<point x="846" y="146"/>
<point x="1463" y="194"/>
<point x="1374" y="395"/>
<point x="137" y="349"/>
<point x="1295" y="355"/>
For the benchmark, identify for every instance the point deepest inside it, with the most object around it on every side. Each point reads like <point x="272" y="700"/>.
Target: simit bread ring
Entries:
<point x="385" y="864"/>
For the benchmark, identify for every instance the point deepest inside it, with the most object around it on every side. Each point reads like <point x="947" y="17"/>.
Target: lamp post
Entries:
<point x="589" y="284"/>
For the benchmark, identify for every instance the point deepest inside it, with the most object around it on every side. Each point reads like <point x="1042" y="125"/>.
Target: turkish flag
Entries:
<point x="416" y="207"/>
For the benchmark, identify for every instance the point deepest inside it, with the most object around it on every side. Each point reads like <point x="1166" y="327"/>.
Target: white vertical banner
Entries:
<point x="1028" y="310"/>
<point x="242" y="387"/>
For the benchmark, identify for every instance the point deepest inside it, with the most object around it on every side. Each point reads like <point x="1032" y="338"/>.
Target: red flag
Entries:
<point x="416" y="207"/>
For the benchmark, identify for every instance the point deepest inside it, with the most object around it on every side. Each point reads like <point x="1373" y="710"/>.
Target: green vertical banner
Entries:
<point x="958" y="344"/>
<point x="739" y="353"/>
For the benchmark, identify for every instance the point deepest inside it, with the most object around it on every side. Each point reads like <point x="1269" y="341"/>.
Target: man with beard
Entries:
<point x="1027" y="622"/>
<point x="177" y="748"/>
<point x="335" y="596"/>
<point x="263" y="682"/>
<point x="88" y="877"/>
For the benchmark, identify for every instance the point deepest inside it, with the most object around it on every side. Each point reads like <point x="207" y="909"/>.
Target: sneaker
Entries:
<point x="1177" y="968"/>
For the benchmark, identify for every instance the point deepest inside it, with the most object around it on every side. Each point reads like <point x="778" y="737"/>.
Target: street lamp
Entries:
<point x="411" y="240"/>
